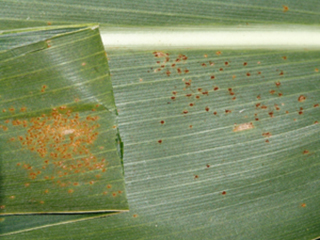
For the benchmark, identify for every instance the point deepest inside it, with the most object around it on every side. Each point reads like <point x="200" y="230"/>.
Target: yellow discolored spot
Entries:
<point x="41" y="202"/>
<point x="243" y="126"/>
<point x="27" y="184"/>
<point x="2" y="206"/>
<point x="46" y="191"/>
<point x="285" y="8"/>
<point x="12" y="197"/>
<point x="83" y="64"/>
<point x="316" y="70"/>
<point x="2" y="219"/>
<point x="105" y="193"/>
<point x="205" y="55"/>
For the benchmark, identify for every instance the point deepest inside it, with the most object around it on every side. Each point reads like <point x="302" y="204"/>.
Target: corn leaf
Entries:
<point x="217" y="143"/>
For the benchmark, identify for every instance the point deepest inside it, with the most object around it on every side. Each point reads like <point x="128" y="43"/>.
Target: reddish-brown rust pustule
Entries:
<point x="266" y="134"/>
<point x="301" y="98"/>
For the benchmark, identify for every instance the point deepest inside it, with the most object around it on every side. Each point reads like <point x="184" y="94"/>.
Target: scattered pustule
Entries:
<point x="285" y="8"/>
<point x="302" y="98"/>
<point x="266" y="134"/>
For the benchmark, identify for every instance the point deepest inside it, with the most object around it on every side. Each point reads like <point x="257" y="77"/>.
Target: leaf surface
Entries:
<point x="244" y="168"/>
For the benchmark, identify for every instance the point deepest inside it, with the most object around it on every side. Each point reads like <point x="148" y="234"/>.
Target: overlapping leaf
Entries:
<point x="58" y="129"/>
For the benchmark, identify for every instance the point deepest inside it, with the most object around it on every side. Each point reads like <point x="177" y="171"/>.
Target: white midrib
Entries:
<point x="253" y="38"/>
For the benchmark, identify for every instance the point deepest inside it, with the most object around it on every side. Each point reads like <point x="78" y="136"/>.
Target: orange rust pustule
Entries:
<point x="285" y="8"/>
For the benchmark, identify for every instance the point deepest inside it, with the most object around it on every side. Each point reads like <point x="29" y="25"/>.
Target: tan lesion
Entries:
<point x="243" y="127"/>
